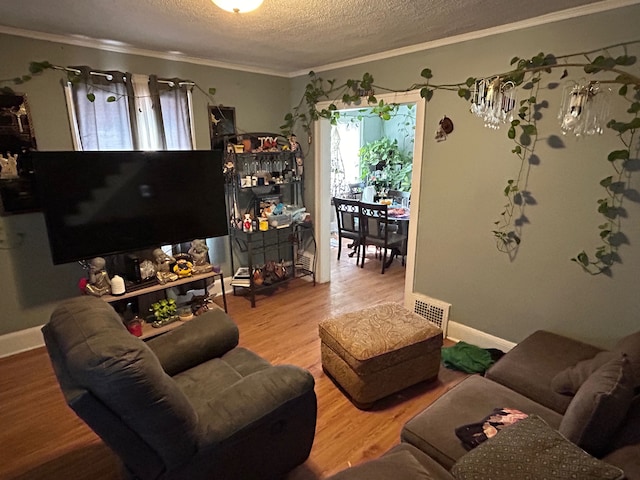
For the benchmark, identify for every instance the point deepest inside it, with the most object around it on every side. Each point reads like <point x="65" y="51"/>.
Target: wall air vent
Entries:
<point x="435" y="311"/>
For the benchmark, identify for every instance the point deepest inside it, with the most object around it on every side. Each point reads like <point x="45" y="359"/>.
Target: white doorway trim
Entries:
<point x="322" y="155"/>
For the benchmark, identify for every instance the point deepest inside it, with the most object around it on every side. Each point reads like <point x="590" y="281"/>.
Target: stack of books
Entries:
<point x="242" y="278"/>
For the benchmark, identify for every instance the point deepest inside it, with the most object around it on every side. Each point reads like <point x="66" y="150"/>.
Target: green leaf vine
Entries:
<point x="527" y="74"/>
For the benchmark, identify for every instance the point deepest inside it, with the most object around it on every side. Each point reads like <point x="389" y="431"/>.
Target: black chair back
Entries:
<point x="377" y="229"/>
<point x="348" y="219"/>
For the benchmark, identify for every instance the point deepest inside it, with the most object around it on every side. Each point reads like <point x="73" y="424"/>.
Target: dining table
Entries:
<point x="400" y="215"/>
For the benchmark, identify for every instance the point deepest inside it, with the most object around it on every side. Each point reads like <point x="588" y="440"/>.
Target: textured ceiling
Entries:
<point x="283" y="37"/>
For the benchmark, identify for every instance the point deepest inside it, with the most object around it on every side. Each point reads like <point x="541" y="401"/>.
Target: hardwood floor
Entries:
<point x="41" y="438"/>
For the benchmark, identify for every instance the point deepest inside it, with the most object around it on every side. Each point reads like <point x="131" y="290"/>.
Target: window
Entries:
<point x="122" y="111"/>
<point x="345" y="160"/>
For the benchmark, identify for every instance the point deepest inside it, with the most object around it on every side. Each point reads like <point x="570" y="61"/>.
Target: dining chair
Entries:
<point x="348" y="218"/>
<point x="379" y="230"/>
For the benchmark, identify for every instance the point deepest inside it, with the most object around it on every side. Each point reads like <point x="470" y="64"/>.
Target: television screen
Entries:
<point x="104" y="203"/>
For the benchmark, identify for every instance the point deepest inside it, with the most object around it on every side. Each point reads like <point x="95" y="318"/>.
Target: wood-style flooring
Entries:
<point x="41" y="438"/>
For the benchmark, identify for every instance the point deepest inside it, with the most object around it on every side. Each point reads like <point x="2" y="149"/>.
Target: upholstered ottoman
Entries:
<point x="378" y="351"/>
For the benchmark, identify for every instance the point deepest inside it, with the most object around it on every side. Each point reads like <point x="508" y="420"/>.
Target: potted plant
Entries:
<point x="393" y="165"/>
<point x="164" y="312"/>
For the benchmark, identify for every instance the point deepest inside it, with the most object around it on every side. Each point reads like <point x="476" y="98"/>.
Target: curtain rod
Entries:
<point x="108" y="76"/>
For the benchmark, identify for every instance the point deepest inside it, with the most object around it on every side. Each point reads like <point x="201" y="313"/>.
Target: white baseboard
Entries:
<point x="459" y="332"/>
<point x="21" y="341"/>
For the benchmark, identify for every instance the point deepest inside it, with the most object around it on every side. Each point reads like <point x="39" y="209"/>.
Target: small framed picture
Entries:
<point x="16" y="132"/>
<point x="222" y="122"/>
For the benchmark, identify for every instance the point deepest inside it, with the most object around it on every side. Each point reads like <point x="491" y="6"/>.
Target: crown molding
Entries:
<point x="126" y="49"/>
<point x="570" y="13"/>
<point x="590" y="9"/>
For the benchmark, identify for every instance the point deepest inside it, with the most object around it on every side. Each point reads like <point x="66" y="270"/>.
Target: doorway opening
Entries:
<point x="323" y="190"/>
<point x="372" y="156"/>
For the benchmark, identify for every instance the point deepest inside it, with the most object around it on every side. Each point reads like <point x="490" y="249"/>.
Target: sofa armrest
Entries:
<point x="531" y="365"/>
<point x="254" y="398"/>
<point x="207" y="336"/>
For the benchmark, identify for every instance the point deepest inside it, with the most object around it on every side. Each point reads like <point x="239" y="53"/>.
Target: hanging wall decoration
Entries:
<point x="16" y="133"/>
<point x="493" y="101"/>
<point x="584" y="109"/>
<point x="445" y="127"/>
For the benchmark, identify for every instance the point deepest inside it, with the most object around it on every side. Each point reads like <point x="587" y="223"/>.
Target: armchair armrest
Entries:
<point x="207" y="336"/>
<point x="254" y="397"/>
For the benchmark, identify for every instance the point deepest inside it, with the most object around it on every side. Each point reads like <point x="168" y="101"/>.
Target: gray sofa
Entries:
<point x="189" y="404"/>
<point x="590" y="430"/>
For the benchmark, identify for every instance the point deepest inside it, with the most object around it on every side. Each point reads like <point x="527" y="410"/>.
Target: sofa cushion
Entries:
<point x="399" y="465"/>
<point x="630" y="346"/>
<point x="625" y="444"/>
<point x="433" y="429"/>
<point x="531" y="449"/>
<point x="568" y="381"/>
<point x="599" y="407"/>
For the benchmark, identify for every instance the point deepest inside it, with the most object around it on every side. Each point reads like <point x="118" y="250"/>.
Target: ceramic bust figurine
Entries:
<point x="200" y="255"/>
<point x="99" y="282"/>
<point x="163" y="266"/>
<point x="9" y="166"/>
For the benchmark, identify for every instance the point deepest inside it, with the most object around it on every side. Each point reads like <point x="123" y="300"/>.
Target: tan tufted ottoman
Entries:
<point x="378" y="351"/>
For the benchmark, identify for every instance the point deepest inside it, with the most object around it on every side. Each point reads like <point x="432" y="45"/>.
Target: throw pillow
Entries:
<point x="399" y="464"/>
<point x="531" y="449"/>
<point x="630" y="346"/>
<point x="569" y="380"/>
<point x="599" y="406"/>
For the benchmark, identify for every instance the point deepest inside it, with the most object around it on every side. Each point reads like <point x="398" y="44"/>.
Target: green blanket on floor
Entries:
<point x="467" y="358"/>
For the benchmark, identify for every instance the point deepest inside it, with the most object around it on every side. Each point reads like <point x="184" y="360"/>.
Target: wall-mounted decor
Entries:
<point x="222" y="121"/>
<point x="16" y="138"/>
<point x="16" y="132"/>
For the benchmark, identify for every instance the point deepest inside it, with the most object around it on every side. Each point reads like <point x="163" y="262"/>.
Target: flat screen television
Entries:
<point x="105" y="203"/>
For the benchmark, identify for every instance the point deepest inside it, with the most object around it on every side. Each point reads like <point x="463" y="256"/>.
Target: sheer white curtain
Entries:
<point x="99" y="124"/>
<point x="177" y="114"/>
<point x="148" y="126"/>
<point x="129" y="112"/>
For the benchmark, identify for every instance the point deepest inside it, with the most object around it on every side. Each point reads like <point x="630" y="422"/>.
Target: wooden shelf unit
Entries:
<point x="148" y="330"/>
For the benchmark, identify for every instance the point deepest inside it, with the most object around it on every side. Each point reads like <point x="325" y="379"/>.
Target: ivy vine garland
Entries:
<point x="527" y="75"/>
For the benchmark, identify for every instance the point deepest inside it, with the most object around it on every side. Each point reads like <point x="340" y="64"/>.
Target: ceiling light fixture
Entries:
<point x="238" y="6"/>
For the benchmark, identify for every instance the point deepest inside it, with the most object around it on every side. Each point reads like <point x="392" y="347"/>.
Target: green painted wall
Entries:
<point x="461" y="195"/>
<point x="461" y="185"/>
<point x="29" y="283"/>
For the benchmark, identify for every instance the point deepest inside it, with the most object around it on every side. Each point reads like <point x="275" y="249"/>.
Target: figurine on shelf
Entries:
<point x="229" y="169"/>
<point x="163" y="267"/>
<point x="297" y="151"/>
<point x="147" y="269"/>
<point x="183" y="267"/>
<point x="99" y="283"/>
<point x="247" y="225"/>
<point x="199" y="254"/>
<point x="9" y="166"/>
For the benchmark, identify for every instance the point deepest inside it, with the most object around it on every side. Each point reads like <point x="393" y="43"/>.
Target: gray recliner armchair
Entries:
<point x="189" y="404"/>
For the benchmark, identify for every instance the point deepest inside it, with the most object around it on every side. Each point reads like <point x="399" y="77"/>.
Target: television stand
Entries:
<point x="148" y="330"/>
